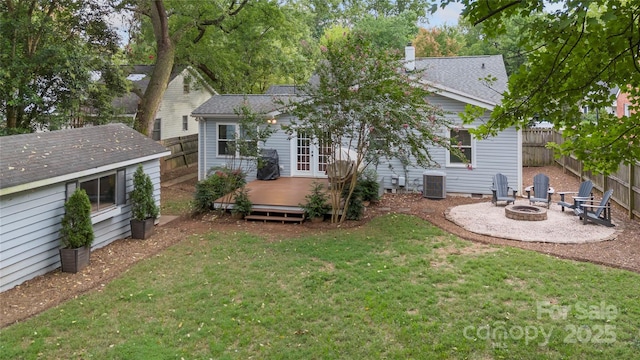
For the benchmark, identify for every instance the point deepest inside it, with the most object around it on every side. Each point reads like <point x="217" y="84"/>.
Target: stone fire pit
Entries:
<point x="525" y="212"/>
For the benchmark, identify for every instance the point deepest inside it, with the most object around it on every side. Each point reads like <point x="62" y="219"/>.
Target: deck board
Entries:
<point x="288" y="192"/>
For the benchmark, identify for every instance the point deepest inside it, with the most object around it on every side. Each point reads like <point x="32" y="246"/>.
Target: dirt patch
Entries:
<point x="49" y="290"/>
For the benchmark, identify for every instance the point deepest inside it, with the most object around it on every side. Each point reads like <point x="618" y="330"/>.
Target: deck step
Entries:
<point x="282" y="215"/>
<point x="274" y="218"/>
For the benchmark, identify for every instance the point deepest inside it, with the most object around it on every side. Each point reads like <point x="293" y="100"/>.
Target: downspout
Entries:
<point x="202" y="138"/>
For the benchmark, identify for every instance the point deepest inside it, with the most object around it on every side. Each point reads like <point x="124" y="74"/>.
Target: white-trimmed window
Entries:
<point x="185" y="122"/>
<point x="627" y="110"/>
<point x="228" y="135"/>
<point x="105" y="191"/>
<point x="463" y="140"/>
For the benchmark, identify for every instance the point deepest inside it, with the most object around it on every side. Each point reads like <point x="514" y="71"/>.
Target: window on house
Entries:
<point x="627" y="110"/>
<point x="104" y="191"/>
<point x="186" y="87"/>
<point x="227" y="144"/>
<point x="185" y="123"/>
<point x="155" y="134"/>
<point x="463" y="140"/>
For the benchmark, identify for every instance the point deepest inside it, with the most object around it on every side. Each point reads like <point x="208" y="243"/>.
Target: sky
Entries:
<point x="450" y="14"/>
<point x="447" y="16"/>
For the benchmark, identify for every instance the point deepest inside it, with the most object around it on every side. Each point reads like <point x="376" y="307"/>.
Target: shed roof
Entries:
<point x="467" y="75"/>
<point x="30" y="158"/>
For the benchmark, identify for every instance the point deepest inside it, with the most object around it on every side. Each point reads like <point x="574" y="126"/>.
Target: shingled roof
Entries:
<point x="464" y="75"/>
<point x="228" y="105"/>
<point x="60" y="155"/>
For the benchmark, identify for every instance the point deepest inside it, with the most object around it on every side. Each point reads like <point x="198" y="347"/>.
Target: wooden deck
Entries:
<point x="286" y="192"/>
<point x="277" y="200"/>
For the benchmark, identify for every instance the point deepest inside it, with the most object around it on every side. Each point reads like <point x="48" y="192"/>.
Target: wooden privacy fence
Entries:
<point x="184" y="152"/>
<point x="625" y="182"/>
<point x="534" y="152"/>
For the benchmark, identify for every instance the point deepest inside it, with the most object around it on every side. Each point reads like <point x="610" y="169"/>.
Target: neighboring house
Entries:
<point x="622" y="104"/>
<point x="39" y="171"/>
<point x="185" y="92"/>
<point x="455" y="81"/>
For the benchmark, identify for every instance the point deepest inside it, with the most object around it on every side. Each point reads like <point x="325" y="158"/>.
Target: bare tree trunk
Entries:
<point x="152" y="98"/>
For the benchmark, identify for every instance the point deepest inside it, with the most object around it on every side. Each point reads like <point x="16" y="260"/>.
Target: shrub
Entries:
<point x="317" y="202"/>
<point x="366" y="189"/>
<point x="356" y="206"/>
<point x="368" y="183"/>
<point x="77" y="230"/>
<point x="242" y="204"/>
<point x="220" y="181"/>
<point x="143" y="205"/>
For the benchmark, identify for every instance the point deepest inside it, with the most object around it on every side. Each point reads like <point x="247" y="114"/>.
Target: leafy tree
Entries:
<point x="575" y="55"/>
<point x="260" y="46"/>
<point x="329" y="13"/>
<point x="509" y="44"/>
<point x="438" y="41"/>
<point x="388" y="32"/>
<point x="48" y="53"/>
<point x="171" y="22"/>
<point x="364" y="103"/>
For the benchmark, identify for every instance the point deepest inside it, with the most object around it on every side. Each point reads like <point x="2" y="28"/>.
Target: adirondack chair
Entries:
<point x="541" y="190"/>
<point x="501" y="189"/>
<point x="583" y="194"/>
<point x="599" y="214"/>
<point x="339" y="172"/>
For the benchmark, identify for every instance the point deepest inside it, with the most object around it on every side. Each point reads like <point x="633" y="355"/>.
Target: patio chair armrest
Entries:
<point x="592" y="208"/>
<point x="566" y="192"/>
<point x="528" y="191"/>
<point x="582" y="198"/>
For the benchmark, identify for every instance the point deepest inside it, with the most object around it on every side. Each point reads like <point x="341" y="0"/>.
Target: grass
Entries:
<point x="395" y="288"/>
<point x="176" y="207"/>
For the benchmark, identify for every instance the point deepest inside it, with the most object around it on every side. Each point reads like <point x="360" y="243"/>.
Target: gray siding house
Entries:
<point x="454" y="81"/>
<point x="39" y="171"/>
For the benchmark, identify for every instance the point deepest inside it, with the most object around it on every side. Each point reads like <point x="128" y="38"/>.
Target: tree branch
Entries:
<point x="496" y="11"/>
<point x="218" y="21"/>
<point x="205" y="69"/>
<point x="622" y="134"/>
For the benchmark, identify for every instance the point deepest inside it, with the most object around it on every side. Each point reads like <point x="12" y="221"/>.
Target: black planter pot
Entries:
<point x="74" y="260"/>
<point x="142" y="229"/>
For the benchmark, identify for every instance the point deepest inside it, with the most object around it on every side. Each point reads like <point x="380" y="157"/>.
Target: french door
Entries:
<point x="310" y="156"/>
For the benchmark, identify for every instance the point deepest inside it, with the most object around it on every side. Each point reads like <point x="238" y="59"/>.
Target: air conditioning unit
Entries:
<point x="434" y="184"/>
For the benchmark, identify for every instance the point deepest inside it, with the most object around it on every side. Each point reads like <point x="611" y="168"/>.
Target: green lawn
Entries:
<point x="395" y="288"/>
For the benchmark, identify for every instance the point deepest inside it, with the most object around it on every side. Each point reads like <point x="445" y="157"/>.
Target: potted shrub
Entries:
<point x="144" y="210"/>
<point x="76" y="233"/>
<point x="242" y="205"/>
<point x="317" y="203"/>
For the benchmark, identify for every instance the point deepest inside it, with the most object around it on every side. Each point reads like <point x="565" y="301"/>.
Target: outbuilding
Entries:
<point x="39" y="171"/>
